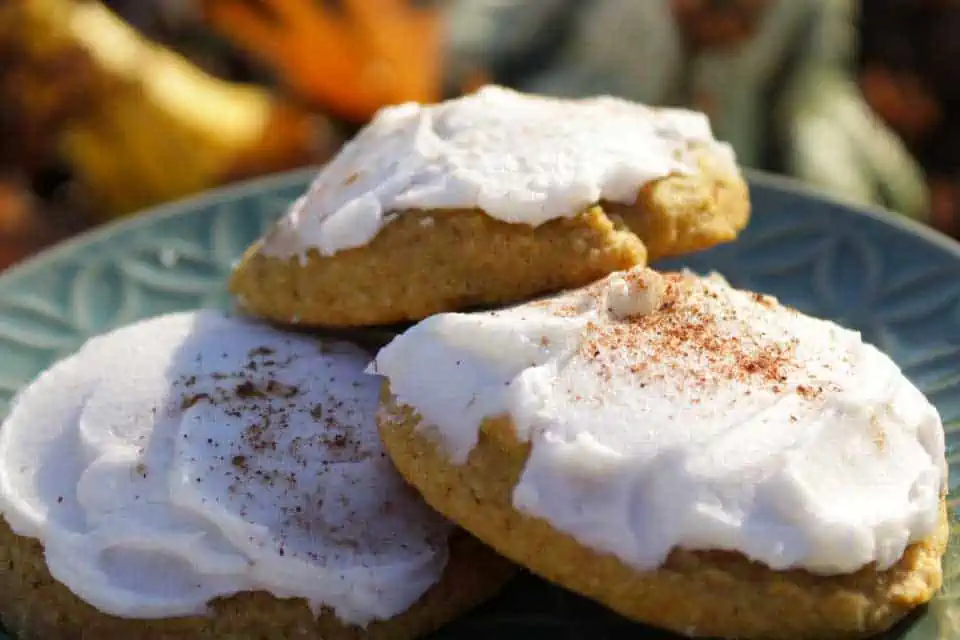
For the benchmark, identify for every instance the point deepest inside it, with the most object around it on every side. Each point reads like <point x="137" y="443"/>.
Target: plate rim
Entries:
<point x="156" y="213"/>
<point x="275" y="181"/>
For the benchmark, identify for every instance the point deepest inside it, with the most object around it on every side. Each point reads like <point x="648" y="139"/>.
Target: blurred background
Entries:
<point x="109" y="107"/>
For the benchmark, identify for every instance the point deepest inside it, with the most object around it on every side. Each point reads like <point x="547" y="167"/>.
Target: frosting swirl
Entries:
<point x="519" y="158"/>
<point x="677" y="412"/>
<point x="195" y="455"/>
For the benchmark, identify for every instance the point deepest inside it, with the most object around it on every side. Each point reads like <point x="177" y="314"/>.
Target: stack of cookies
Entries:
<point x="694" y="457"/>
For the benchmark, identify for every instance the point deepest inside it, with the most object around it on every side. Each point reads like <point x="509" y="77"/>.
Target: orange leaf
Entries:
<point x="352" y="62"/>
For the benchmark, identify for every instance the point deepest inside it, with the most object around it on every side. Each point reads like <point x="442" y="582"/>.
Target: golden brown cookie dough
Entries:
<point x="673" y="447"/>
<point x="426" y="262"/>
<point x="488" y="199"/>
<point x="694" y="593"/>
<point x="273" y="438"/>
<point x="686" y="213"/>
<point x="35" y="606"/>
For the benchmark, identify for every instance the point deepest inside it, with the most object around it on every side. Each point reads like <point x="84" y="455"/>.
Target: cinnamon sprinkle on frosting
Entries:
<point x="672" y="410"/>
<point x="257" y="447"/>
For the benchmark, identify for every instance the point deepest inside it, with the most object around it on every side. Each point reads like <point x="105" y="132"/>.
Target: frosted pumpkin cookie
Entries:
<point x="491" y="198"/>
<point x="196" y="476"/>
<point x="693" y="456"/>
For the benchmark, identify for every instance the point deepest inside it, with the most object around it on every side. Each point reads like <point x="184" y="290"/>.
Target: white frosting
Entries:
<point x="196" y="455"/>
<point x="520" y="158"/>
<point x="705" y="418"/>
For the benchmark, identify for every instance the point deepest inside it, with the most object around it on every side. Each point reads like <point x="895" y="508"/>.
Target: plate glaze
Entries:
<point x="897" y="282"/>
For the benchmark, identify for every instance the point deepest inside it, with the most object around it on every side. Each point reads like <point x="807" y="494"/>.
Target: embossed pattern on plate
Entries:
<point x="896" y="282"/>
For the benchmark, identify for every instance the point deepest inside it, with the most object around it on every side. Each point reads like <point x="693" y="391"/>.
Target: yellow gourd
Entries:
<point x="150" y="125"/>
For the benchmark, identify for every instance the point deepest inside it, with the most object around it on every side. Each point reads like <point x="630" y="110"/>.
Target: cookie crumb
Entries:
<point x="635" y="293"/>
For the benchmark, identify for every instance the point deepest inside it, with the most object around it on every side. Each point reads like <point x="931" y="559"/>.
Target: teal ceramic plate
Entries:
<point x="896" y="282"/>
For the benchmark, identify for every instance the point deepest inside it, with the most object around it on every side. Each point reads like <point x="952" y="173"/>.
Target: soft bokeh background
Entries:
<point x="109" y="107"/>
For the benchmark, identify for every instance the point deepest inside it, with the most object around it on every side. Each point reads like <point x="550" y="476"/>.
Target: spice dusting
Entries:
<point x="692" y="329"/>
<point x="292" y="450"/>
